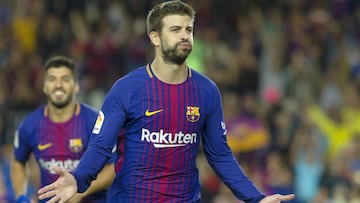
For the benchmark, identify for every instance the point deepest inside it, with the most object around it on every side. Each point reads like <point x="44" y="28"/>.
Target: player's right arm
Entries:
<point x="105" y="133"/>
<point x="18" y="178"/>
<point x="103" y="181"/>
<point x="18" y="172"/>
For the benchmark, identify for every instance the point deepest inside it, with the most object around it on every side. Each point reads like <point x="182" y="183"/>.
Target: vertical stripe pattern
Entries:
<point x="165" y="173"/>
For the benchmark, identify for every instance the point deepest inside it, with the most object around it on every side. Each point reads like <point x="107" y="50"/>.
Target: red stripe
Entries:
<point x="186" y="95"/>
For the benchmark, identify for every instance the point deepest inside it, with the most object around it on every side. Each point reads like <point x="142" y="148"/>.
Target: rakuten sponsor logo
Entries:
<point x="163" y="139"/>
<point x="68" y="165"/>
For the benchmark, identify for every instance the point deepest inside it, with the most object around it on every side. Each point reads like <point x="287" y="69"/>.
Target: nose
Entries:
<point x="58" y="83"/>
<point x="185" y="35"/>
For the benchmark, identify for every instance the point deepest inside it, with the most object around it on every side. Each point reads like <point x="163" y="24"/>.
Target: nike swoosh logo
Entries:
<point x="151" y="113"/>
<point x="42" y="147"/>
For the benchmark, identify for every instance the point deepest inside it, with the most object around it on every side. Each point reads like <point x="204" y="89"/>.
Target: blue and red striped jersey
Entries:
<point x="56" y="144"/>
<point x="162" y="126"/>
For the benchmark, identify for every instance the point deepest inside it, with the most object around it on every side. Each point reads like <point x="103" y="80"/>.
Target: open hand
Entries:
<point x="61" y="190"/>
<point x="277" y="198"/>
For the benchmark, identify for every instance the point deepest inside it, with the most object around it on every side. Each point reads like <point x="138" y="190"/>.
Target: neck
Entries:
<point x="169" y="73"/>
<point x="60" y="115"/>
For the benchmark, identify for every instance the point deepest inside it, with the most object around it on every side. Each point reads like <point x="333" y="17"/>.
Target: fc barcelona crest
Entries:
<point x="75" y="145"/>
<point x="192" y="113"/>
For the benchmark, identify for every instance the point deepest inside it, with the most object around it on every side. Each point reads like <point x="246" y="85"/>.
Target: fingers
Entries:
<point x="280" y="198"/>
<point x="54" y="200"/>
<point x="287" y="197"/>
<point x="46" y="192"/>
<point x="59" y="171"/>
<point x="277" y="198"/>
<point x="42" y="191"/>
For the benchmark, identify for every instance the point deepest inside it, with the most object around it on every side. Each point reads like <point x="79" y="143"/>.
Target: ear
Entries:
<point x="44" y="89"/>
<point x="77" y="88"/>
<point x="155" y="39"/>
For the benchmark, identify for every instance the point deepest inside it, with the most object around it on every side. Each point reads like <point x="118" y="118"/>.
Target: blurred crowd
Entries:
<point x="289" y="73"/>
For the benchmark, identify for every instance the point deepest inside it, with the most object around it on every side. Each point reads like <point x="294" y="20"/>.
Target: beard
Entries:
<point x="174" y="54"/>
<point x="60" y="103"/>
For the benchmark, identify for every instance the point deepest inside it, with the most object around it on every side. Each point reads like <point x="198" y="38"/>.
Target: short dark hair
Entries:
<point x="61" y="61"/>
<point x="174" y="7"/>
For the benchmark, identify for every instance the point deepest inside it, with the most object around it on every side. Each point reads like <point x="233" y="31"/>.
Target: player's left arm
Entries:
<point x="220" y="156"/>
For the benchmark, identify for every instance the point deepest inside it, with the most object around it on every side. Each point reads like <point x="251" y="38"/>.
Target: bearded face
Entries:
<point x="60" y="98"/>
<point x="176" y="53"/>
<point x="176" y="38"/>
<point x="60" y="87"/>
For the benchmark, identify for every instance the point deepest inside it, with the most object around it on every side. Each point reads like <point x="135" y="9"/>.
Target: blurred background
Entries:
<point x="289" y="73"/>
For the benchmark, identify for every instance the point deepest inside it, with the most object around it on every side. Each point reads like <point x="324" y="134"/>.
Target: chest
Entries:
<point x="61" y="140"/>
<point x="172" y="108"/>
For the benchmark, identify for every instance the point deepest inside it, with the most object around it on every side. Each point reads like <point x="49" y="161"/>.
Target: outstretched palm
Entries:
<point x="277" y="198"/>
<point x="61" y="190"/>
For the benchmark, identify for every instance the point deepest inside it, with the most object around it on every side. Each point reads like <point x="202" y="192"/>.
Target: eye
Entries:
<point x="175" y="29"/>
<point x="189" y="29"/>
<point x="66" y="78"/>
<point x="50" y="78"/>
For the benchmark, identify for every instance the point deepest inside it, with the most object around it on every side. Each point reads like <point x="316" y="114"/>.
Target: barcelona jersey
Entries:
<point x="161" y="127"/>
<point x="56" y="144"/>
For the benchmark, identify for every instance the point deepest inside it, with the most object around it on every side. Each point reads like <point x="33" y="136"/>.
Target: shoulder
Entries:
<point x="87" y="108"/>
<point x="204" y="82"/>
<point x="88" y="112"/>
<point x="130" y="82"/>
<point x="125" y="89"/>
<point x="35" y="115"/>
<point x="133" y="78"/>
<point x="32" y="118"/>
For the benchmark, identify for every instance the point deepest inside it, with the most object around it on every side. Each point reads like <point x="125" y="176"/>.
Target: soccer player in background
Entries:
<point x="164" y="110"/>
<point x="58" y="135"/>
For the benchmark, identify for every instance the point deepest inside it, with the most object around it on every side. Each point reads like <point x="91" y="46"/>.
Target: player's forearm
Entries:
<point x="18" y="178"/>
<point x="228" y="169"/>
<point x="234" y="177"/>
<point x="91" y="163"/>
<point x="103" y="180"/>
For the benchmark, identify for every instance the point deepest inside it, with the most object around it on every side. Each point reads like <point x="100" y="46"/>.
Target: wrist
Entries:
<point x="23" y="199"/>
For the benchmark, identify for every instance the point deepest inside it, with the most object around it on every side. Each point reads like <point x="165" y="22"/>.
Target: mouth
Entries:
<point x="185" y="45"/>
<point x="59" y="93"/>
